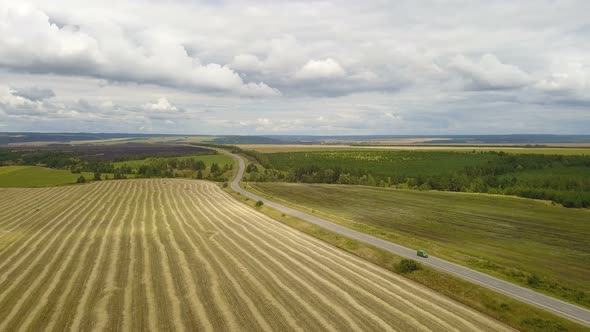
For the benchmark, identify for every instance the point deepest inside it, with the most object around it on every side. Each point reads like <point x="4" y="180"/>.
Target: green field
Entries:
<point x="559" y="178"/>
<point x="530" y="242"/>
<point x="381" y="164"/>
<point x="33" y="176"/>
<point x="519" y="315"/>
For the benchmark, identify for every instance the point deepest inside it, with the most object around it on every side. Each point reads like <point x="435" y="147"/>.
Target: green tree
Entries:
<point x="407" y="266"/>
<point x="344" y="178"/>
<point x="329" y="175"/>
<point x="533" y="280"/>
<point x="371" y="181"/>
<point x="251" y="168"/>
<point x="215" y="168"/>
<point x="97" y="176"/>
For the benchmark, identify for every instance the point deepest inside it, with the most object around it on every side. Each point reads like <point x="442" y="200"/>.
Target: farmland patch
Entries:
<point x="171" y="254"/>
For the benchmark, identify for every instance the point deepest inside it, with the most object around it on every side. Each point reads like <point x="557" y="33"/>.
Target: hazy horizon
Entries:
<point x="293" y="134"/>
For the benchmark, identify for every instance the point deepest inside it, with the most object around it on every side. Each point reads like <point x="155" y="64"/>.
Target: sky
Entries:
<point x="295" y="67"/>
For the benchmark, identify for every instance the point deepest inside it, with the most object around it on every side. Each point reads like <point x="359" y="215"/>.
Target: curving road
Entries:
<point x="559" y="307"/>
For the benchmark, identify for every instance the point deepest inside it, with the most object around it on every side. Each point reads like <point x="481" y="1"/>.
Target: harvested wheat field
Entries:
<point x="166" y="255"/>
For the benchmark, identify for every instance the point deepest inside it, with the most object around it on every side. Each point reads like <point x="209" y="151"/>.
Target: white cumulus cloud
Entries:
<point x="161" y="105"/>
<point x="489" y="73"/>
<point x="320" y="69"/>
<point x="30" y="41"/>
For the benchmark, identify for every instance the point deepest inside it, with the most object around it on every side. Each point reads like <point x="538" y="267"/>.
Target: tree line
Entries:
<point x="150" y="167"/>
<point x="561" y="179"/>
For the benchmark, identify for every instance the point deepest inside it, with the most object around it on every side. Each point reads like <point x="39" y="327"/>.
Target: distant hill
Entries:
<point x="514" y="139"/>
<point x="25" y="137"/>
<point x="246" y="140"/>
<point x="439" y="139"/>
<point x="521" y="139"/>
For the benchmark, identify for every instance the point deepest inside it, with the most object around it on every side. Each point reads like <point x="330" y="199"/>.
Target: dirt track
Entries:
<point x="183" y="255"/>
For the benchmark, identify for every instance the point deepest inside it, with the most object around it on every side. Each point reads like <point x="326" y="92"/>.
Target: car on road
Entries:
<point x="422" y="253"/>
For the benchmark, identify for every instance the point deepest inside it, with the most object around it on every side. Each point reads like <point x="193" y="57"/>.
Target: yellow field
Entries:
<point x="165" y="255"/>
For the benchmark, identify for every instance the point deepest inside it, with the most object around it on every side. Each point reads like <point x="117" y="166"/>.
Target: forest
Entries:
<point x="77" y="163"/>
<point x="558" y="178"/>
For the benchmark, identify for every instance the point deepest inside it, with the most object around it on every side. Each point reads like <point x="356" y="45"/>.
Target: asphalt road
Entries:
<point x="559" y="307"/>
